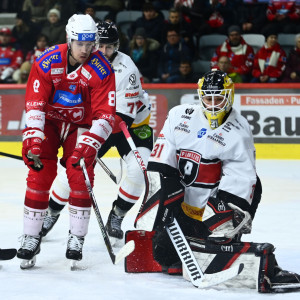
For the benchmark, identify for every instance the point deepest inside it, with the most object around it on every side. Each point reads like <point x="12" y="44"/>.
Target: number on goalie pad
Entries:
<point x="160" y="203"/>
<point x="258" y="260"/>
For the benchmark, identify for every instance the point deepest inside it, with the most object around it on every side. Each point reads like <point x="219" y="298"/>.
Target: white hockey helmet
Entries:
<point x="81" y="28"/>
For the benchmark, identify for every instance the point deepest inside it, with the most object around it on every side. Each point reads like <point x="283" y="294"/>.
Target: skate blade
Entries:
<point x="28" y="263"/>
<point x="76" y="265"/>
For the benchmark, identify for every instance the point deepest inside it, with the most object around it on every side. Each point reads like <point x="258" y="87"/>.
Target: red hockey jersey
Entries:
<point x="269" y="61"/>
<point x="241" y="57"/>
<point x="86" y="94"/>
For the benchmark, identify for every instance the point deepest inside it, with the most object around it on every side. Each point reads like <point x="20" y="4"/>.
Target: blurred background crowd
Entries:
<point x="170" y="41"/>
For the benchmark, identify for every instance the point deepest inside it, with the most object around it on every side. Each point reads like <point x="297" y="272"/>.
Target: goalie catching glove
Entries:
<point x="31" y="148"/>
<point x="87" y="147"/>
<point x="226" y="221"/>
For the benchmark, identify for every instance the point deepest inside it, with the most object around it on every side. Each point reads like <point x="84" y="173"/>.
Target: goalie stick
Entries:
<point x="128" y="247"/>
<point x="6" y="254"/>
<point x="114" y="178"/>
<point x="197" y="277"/>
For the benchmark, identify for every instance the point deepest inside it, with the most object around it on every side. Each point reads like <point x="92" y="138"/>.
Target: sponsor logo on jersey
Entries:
<point x="33" y="104"/>
<point x="189" y="111"/>
<point x="217" y="138"/>
<point x="182" y="127"/>
<point x="66" y="98"/>
<point x="5" y="61"/>
<point x="201" y="133"/>
<point x="131" y="95"/>
<point x="45" y="64"/>
<point x="100" y="68"/>
<point x="56" y="80"/>
<point x="66" y="114"/>
<point x="85" y="73"/>
<point x="56" y="71"/>
<point x="132" y="79"/>
<point x="186" y="117"/>
<point x="48" y="50"/>
<point x="227" y="126"/>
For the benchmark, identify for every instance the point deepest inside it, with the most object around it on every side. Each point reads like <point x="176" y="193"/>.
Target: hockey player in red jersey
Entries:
<point x="70" y="102"/>
<point x="202" y="173"/>
<point x="132" y="106"/>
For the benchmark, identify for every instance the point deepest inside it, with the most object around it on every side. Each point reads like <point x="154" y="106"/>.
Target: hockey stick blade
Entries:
<point x="6" y="254"/>
<point x="114" y="178"/>
<point x="125" y="250"/>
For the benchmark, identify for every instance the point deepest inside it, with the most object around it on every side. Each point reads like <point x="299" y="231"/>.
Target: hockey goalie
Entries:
<point x="202" y="174"/>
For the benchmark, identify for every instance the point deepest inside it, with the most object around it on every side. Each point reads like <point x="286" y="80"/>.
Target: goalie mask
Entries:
<point x="216" y="94"/>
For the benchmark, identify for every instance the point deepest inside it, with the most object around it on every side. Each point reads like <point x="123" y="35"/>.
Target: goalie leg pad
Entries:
<point x="141" y="260"/>
<point x="258" y="259"/>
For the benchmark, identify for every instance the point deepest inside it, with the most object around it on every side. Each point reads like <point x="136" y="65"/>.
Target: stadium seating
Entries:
<point x="124" y="19"/>
<point x="201" y="66"/>
<point x="287" y="41"/>
<point x="208" y="44"/>
<point x="254" y="40"/>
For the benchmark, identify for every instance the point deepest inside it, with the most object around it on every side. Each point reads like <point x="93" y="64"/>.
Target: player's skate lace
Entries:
<point x="49" y="222"/>
<point x="29" y="242"/>
<point x="113" y="225"/>
<point x="74" y="247"/>
<point x="30" y="246"/>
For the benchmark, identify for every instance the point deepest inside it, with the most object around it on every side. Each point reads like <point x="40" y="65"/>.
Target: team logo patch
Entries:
<point x="67" y="114"/>
<point x="188" y="165"/>
<point x="132" y="79"/>
<point x="66" y="98"/>
<point x="45" y="64"/>
<point x="201" y="133"/>
<point x="189" y="111"/>
<point x="72" y="87"/>
<point x="99" y="67"/>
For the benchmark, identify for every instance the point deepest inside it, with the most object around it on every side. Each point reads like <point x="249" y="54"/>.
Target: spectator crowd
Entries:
<point x="164" y="41"/>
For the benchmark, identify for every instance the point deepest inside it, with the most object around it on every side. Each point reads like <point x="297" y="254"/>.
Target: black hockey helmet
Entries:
<point x="108" y="33"/>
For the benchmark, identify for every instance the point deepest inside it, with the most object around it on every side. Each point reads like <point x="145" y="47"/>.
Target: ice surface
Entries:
<point x="277" y="222"/>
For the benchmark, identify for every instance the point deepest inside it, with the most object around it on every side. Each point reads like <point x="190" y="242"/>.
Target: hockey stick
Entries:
<point x="197" y="277"/>
<point x="99" y="160"/>
<point x="109" y="172"/>
<point x="11" y="155"/>
<point x="6" y="254"/>
<point x="128" y="247"/>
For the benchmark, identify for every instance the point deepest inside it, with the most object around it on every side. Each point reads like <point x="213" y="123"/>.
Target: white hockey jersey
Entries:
<point x="130" y="98"/>
<point x="207" y="159"/>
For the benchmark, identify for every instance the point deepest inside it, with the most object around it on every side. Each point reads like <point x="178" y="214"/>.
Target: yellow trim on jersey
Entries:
<point x="145" y="122"/>
<point x="192" y="211"/>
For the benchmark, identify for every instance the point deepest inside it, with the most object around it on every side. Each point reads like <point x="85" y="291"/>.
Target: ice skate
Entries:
<point x="74" y="250"/>
<point x="49" y="222"/>
<point x="113" y="226"/>
<point x="28" y="251"/>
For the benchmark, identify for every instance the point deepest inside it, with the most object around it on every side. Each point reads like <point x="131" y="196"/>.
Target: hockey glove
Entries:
<point x="87" y="147"/>
<point x="225" y="220"/>
<point x="31" y="150"/>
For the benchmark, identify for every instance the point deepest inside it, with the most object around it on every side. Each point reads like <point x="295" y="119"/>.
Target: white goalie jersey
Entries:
<point x="207" y="160"/>
<point x="131" y="100"/>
